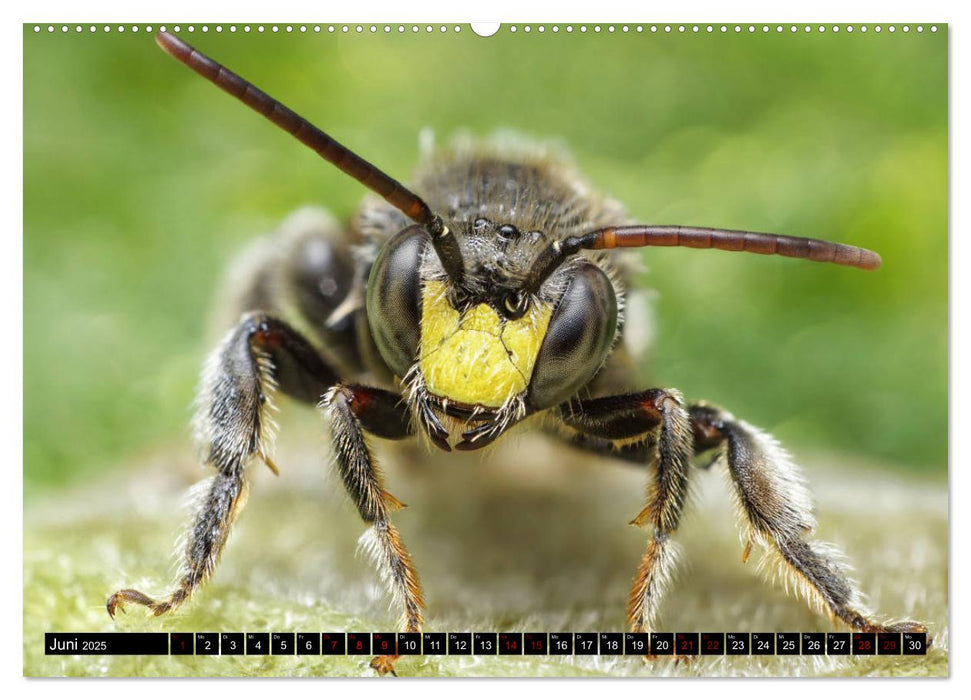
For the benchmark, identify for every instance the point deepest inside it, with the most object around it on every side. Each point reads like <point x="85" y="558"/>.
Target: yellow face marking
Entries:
<point x="480" y="358"/>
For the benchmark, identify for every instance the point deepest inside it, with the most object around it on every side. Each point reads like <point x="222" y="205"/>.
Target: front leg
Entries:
<point x="233" y="425"/>
<point x="776" y="506"/>
<point x="350" y="410"/>
<point x="656" y="416"/>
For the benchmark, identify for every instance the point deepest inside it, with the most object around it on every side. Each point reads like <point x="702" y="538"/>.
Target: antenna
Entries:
<point x="690" y="237"/>
<point x="369" y="175"/>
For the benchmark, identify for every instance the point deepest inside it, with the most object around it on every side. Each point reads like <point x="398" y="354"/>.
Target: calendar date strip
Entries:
<point x="484" y="643"/>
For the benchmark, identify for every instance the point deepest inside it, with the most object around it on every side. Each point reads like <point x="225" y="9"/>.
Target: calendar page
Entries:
<point x="511" y="350"/>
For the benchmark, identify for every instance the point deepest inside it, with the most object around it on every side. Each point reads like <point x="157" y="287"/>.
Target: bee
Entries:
<point x="488" y="301"/>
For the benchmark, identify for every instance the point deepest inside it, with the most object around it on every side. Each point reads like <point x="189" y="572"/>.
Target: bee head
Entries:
<point x="491" y="338"/>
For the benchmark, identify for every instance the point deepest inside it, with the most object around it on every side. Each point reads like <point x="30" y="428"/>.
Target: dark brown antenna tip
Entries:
<point x="739" y="241"/>
<point x="170" y="44"/>
<point x="690" y="237"/>
<point x="330" y="150"/>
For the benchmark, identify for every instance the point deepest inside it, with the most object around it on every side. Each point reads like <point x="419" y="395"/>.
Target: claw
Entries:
<point x="384" y="665"/>
<point x="113" y="605"/>
<point x="904" y="626"/>
<point x="128" y="595"/>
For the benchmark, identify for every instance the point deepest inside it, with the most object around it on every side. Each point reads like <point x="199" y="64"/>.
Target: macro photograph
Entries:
<point x="463" y="350"/>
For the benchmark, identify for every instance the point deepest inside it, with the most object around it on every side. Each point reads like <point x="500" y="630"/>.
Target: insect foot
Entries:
<point x="776" y="507"/>
<point x="117" y="600"/>
<point x="384" y="665"/>
<point x="902" y="626"/>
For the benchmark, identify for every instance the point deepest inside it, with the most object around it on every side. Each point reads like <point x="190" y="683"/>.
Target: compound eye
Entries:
<point x="578" y="338"/>
<point x="394" y="299"/>
<point x="515" y="305"/>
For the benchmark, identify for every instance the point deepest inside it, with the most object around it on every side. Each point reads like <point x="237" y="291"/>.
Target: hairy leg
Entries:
<point x="776" y="506"/>
<point x="233" y="424"/>
<point x="350" y="411"/>
<point x="656" y="417"/>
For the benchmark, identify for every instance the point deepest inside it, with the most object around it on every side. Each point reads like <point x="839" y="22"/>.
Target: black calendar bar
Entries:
<point x="484" y="643"/>
<point x="110" y="643"/>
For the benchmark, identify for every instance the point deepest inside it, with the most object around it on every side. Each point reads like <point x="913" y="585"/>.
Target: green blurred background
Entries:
<point x="141" y="181"/>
